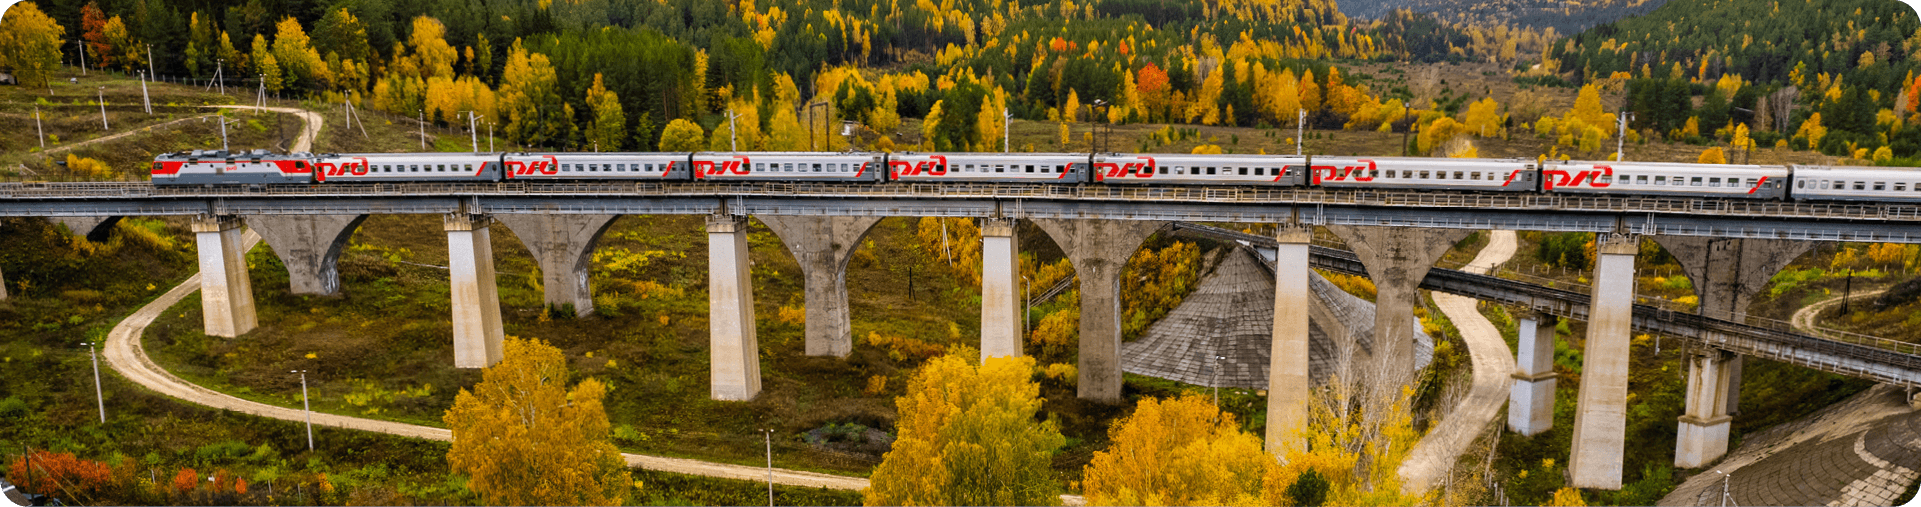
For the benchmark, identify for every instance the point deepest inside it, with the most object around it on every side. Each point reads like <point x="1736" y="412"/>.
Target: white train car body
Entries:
<point x="1878" y="184"/>
<point x="1179" y="169"/>
<point x="1402" y="173"/>
<point x="403" y="167"/>
<point x="988" y="167"/>
<point x="594" y="166"/>
<point x="1666" y="179"/>
<point x="784" y="166"/>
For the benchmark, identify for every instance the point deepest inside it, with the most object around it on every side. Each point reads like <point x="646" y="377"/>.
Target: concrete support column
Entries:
<point x="1530" y="407"/>
<point x="1099" y="250"/>
<point x="1000" y="294"/>
<point x="822" y="246"/>
<point x="476" y="298"/>
<point x="309" y="245"/>
<point x="564" y="247"/>
<point x="1397" y="259"/>
<point x="1600" y="420"/>
<point x="1704" y="424"/>
<point x="226" y="294"/>
<point x="1727" y="273"/>
<point x="1289" y="386"/>
<point x="730" y="321"/>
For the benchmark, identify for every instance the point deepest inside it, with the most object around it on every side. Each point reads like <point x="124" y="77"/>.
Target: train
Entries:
<point x="1653" y="179"/>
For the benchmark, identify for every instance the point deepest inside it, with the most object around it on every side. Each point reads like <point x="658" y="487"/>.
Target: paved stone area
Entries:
<point x="1863" y="451"/>
<point x="1231" y="314"/>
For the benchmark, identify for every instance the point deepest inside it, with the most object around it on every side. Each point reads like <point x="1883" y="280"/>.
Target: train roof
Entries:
<point x="233" y="154"/>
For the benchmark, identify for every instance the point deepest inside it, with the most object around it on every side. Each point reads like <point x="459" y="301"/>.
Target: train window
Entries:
<point x="1641" y="179"/>
<point x="1163" y="169"/>
<point x="816" y="167"/>
<point x="1715" y="182"/>
<point x="1244" y="171"/>
<point x="470" y="167"/>
<point x="1860" y="185"/>
<point x="1900" y="186"/>
<point x="1695" y="181"/>
<point x="1801" y="184"/>
<point x="1457" y="175"/>
<point x="1880" y="185"/>
<point x="1210" y="170"/>
<point x="1660" y="180"/>
<point x="413" y="168"/>
<point x="1424" y="175"/>
<point x="1000" y="168"/>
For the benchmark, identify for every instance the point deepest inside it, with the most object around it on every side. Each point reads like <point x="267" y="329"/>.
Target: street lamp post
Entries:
<point x="305" y="407"/>
<point x="97" y="397"/>
<point x="473" y="130"/>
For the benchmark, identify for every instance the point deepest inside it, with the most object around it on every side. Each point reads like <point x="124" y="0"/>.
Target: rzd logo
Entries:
<point x="1343" y="173"/>
<point x="528" y="168"/>
<point x="1105" y="170"/>
<point x="933" y="166"/>
<point x="324" y="170"/>
<point x="1574" y="179"/>
<point x="740" y="166"/>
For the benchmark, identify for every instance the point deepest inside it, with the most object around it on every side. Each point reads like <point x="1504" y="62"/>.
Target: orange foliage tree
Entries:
<point x="1180" y="451"/>
<point x="61" y="475"/>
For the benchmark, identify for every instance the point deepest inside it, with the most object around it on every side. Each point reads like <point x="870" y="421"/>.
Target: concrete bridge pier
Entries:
<point x="1727" y="273"/>
<point x="1530" y="408"/>
<point x="226" y="294"/>
<point x="95" y="229"/>
<point x="734" y="349"/>
<point x="1099" y="249"/>
<point x="822" y="246"/>
<point x="476" y="297"/>
<point x="1704" y="424"/>
<point x="309" y="245"/>
<point x="1600" y="419"/>
<point x="563" y="245"/>
<point x="1289" y="387"/>
<point x="1397" y="259"/>
<point x="1000" y="294"/>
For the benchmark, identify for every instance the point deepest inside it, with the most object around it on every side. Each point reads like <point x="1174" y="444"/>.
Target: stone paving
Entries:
<point x="1231" y="314"/>
<point x="1863" y="451"/>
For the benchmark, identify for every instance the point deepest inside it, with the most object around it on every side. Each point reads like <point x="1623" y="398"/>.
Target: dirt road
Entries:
<point x="1493" y="362"/>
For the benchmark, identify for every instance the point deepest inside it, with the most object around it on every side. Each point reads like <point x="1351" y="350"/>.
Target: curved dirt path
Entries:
<point x="310" y="122"/>
<point x="111" y="137"/>
<point x="1803" y="319"/>
<point x="1493" y="362"/>
<point x="125" y="353"/>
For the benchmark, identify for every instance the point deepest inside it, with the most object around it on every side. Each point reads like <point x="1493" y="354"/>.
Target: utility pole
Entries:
<point x="769" y="434"/>
<point x="1620" y="138"/>
<point x="261" y="101"/>
<point x="473" y="130"/>
<point x="1007" y="126"/>
<point x="101" y="92"/>
<point x="146" y="100"/>
<point x="150" y="61"/>
<point x="733" y="132"/>
<point x="1300" y="128"/>
<point x="37" y="127"/>
<point x="223" y="133"/>
<point x="423" y="130"/>
<point x="304" y="406"/>
<point x="83" y="55"/>
<point x="97" y="397"/>
<point x="490" y="136"/>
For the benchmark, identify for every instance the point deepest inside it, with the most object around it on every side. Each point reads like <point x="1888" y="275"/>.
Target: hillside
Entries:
<point x="1563" y="17"/>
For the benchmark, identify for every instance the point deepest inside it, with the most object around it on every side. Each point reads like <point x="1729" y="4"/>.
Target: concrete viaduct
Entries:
<point x="1730" y="247"/>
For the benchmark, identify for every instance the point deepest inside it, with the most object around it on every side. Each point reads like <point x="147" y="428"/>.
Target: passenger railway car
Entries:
<point x="402" y="167"/>
<point x="564" y="166"/>
<point x="1881" y="184"/>
<point x="988" y="167"/>
<point x="1666" y="179"/>
<point x="211" y="167"/>
<point x="1179" y="169"/>
<point x="789" y="166"/>
<point x="1401" y="173"/>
